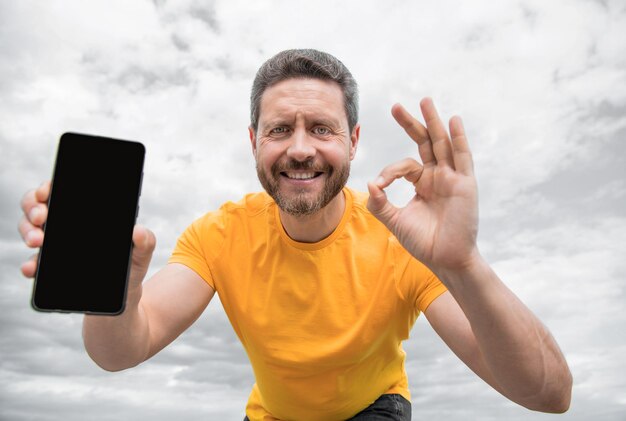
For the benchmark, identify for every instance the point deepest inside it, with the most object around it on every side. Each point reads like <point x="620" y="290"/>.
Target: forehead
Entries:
<point x="311" y="97"/>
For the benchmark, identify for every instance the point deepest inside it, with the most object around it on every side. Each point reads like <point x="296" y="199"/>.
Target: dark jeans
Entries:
<point x="385" y="408"/>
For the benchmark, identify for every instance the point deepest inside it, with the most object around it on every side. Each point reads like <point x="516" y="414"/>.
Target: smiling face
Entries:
<point x="303" y="146"/>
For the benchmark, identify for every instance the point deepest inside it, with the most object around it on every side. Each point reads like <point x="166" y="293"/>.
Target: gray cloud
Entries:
<point x="541" y="91"/>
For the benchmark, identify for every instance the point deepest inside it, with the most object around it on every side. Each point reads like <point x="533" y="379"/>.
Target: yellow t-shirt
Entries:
<point x="322" y="323"/>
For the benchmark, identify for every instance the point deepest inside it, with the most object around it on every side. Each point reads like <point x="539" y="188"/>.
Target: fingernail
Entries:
<point x="380" y="181"/>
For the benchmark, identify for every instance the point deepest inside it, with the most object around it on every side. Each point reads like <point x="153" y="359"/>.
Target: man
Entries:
<point x="322" y="283"/>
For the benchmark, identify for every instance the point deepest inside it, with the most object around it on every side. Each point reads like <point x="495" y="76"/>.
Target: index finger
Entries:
<point x="43" y="192"/>
<point x="408" y="168"/>
<point x="416" y="131"/>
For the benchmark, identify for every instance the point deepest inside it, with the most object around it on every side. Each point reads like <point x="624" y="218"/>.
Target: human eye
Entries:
<point x="279" y="131"/>
<point x="321" y="130"/>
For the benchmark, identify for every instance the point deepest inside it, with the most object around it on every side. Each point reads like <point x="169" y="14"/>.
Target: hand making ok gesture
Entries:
<point x="438" y="226"/>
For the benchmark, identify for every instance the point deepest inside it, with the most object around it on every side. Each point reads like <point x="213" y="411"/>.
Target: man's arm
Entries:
<point x="156" y="314"/>
<point x="480" y="318"/>
<point x="514" y="353"/>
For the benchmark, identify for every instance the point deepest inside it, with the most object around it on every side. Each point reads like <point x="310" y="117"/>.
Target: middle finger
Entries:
<point x="438" y="134"/>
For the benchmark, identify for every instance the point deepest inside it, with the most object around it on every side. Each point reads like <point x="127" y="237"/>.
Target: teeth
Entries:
<point x="300" y="175"/>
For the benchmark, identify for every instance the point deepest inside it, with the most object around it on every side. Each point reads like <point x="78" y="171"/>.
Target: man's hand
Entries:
<point x="480" y="319"/>
<point x="156" y="312"/>
<point x="35" y="207"/>
<point x="440" y="223"/>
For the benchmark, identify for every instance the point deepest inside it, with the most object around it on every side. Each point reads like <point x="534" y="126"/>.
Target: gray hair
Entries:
<point x="304" y="63"/>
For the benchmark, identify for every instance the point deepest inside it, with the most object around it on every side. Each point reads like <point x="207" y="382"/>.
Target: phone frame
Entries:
<point x="41" y="249"/>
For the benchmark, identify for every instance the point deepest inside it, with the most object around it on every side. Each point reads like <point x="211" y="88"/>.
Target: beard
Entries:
<point x="302" y="202"/>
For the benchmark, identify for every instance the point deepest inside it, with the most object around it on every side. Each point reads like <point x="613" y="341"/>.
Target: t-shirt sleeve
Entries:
<point x="417" y="283"/>
<point x="198" y="246"/>
<point x="428" y="290"/>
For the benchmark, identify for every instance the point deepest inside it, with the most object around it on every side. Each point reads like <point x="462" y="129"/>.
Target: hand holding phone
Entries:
<point x="85" y="255"/>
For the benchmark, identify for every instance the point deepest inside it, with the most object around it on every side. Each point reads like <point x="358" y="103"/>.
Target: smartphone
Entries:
<point x="94" y="202"/>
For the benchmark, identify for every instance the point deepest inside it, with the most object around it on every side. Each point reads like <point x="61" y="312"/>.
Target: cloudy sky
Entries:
<point x="542" y="90"/>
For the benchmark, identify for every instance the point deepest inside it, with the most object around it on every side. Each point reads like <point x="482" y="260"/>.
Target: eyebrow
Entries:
<point x="327" y="122"/>
<point x="279" y="121"/>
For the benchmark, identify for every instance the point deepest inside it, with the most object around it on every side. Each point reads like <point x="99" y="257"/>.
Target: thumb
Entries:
<point x="144" y="242"/>
<point x="378" y="204"/>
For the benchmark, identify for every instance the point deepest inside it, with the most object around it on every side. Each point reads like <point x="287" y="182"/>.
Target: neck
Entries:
<point x="315" y="227"/>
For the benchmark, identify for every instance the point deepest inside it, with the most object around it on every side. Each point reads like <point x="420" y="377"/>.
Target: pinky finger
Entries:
<point x="29" y="268"/>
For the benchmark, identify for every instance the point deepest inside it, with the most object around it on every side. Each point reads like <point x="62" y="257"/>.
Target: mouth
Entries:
<point x="301" y="175"/>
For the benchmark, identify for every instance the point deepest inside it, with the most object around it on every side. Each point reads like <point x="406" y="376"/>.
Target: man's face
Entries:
<point x="303" y="146"/>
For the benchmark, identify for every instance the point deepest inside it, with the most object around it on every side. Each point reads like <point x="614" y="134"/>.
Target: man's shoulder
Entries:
<point x="251" y="204"/>
<point x="359" y="204"/>
<point x="361" y="216"/>
<point x="359" y="198"/>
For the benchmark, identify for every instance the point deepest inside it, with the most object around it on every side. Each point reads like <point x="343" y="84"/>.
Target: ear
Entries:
<point x="354" y="140"/>
<point x="252" y="140"/>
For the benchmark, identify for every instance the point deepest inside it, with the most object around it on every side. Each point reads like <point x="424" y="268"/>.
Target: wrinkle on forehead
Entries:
<point x="314" y="100"/>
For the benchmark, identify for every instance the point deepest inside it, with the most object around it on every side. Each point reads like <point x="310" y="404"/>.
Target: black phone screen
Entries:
<point x="85" y="257"/>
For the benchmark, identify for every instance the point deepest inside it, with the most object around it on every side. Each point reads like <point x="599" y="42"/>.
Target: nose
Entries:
<point x="300" y="148"/>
